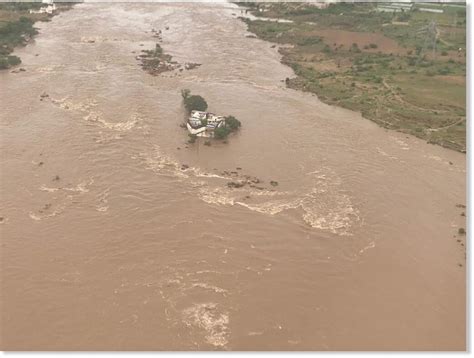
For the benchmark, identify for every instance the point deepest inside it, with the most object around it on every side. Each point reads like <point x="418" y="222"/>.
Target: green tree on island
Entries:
<point x="231" y="125"/>
<point x="193" y="102"/>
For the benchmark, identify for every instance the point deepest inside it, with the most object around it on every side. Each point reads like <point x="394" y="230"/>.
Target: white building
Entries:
<point x="49" y="8"/>
<point x="394" y="7"/>
<point x="203" y="124"/>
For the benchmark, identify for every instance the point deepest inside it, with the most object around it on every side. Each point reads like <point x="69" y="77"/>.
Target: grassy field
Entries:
<point x="16" y="28"/>
<point x="380" y="64"/>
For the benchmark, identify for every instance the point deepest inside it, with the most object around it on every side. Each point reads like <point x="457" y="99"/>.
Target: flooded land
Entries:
<point x="118" y="234"/>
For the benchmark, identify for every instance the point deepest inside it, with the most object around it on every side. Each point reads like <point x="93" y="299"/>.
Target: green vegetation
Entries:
<point x="156" y="61"/>
<point x="232" y="124"/>
<point x="12" y="34"/>
<point x="378" y="63"/>
<point x="8" y="61"/>
<point x="221" y="132"/>
<point x="16" y="28"/>
<point x="193" y="102"/>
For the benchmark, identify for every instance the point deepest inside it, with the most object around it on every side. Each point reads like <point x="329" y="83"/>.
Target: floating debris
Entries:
<point x="191" y="65"/>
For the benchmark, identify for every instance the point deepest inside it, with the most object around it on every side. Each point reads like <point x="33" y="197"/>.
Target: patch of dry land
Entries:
<point x="405" y="70"/>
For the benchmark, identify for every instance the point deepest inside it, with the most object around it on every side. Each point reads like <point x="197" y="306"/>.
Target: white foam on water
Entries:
<point x="384" y="154"/>
<point x="215" y="196"/>
<point x="434" y="157"/>
<point x="92" y="39"/>
<point x="95" y="116"/>
<point x="403" y="145"/>
<point x="34" y="216"/>
<point x="271" y="207"/>
<point x="161" y="164"/>
<point x="68" y="104"/>
<point x="60" y="200"/>
<point x="323" y="204"/>
<point x="369" y="246"/>
<point x="81" y="187"/>
<point x="103" y="201"/>
<point x="206" y="286"/>
<point x="202" y="174"/>
<point x="49" y="190"/>
<point x="43" y="215"/>
<point x="209" y="317"/>
<point x="104" y="138"/>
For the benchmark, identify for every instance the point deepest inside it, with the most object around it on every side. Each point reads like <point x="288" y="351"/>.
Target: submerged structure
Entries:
<point x="203" y="124"/>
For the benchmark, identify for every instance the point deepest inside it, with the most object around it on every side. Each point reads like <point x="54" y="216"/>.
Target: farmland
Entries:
<point x="403" y="70"/>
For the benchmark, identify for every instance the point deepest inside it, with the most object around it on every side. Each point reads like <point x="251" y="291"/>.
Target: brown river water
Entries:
<point x="355" y="249"/>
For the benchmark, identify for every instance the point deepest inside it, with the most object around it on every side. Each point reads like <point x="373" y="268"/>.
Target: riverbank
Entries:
<point x="377" y="63"/>
<point x="17" y="28"/>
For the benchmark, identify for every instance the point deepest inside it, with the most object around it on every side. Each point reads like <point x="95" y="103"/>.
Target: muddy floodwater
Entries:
<point x="118" y="235"/>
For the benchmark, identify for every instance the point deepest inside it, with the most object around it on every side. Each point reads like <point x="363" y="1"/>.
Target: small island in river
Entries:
<point x="205" y="124"/>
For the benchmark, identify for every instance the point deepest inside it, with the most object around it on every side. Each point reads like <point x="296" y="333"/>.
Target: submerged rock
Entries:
<point x="233" y="184"/>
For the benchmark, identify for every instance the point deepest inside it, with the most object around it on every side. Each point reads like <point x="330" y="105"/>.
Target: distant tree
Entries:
<point x="355" y="48"/>
<point x="193" y="102"/>
<point x="327" y="49"/>
<point x="185" y="93"/>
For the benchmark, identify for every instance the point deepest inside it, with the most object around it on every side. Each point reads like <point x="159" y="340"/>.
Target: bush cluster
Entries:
<point x="193" y="102"/>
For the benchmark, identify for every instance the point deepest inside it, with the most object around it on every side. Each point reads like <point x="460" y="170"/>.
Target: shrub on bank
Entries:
<point x="13" y="34"/>
<point x="9" y="61"/>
